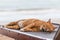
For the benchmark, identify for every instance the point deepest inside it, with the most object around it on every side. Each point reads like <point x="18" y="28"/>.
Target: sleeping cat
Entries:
<point x="32" y="25"/>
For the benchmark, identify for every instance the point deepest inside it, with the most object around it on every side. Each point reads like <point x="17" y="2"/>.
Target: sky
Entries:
<point x="29" y="4"/>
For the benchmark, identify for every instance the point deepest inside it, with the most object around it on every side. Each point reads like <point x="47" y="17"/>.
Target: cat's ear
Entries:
<point x="49" y="21"/>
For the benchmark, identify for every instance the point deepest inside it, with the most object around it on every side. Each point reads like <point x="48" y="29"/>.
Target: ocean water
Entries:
<point x="28" y="4"/>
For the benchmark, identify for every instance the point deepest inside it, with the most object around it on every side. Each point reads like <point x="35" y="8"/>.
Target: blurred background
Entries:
<point x="12" y="10"/>
<point x="29" y="4"/>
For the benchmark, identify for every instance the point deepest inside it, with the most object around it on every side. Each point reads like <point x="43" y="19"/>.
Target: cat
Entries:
<point x="32" y="25"/>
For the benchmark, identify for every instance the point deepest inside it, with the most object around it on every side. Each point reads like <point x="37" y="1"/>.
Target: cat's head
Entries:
<point x="48" y="26"/>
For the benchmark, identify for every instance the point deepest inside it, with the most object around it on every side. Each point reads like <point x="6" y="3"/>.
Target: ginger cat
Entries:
<point x="32" y="25"/>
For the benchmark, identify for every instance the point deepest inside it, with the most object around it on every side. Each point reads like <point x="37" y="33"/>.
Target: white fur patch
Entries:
<point x="20" y="24"/>
<point x="41" y="27"/>
<point x="21" y="29"/>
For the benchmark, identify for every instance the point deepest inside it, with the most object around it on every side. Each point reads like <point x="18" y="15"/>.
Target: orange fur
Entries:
<point x="33" y="25"/>
<point x="37" y="24"/>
